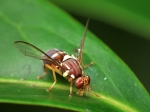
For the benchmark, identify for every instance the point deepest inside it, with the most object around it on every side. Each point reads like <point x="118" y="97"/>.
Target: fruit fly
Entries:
<point x="60" y="62"/>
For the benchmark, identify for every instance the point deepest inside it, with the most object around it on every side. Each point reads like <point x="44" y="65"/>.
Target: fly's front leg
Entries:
<point x="41" y="76"/>
<point x="85" y="66"/>
<point x="80" y="92"/>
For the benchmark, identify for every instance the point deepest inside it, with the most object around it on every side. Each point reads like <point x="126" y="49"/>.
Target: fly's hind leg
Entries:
<point x="41" y="76"/>
<point x="85" y="66"/>
<point x="53" y="68"/>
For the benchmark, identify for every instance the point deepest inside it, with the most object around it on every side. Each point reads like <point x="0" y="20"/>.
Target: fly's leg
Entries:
<point x="54" y="76"/>
<point x="70" y="80"/>
<point x="89" y="88"/>
<point x="70" y="89"/>
<point x="85" y="66"/>
<point x="41" y="76"/>
<point x="54" y="69"/>
<point x="80" y="92"/>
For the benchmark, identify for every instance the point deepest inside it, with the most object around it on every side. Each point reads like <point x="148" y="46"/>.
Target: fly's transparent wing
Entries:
<point x="32" y="51"/>
<point x="80" y="48"/>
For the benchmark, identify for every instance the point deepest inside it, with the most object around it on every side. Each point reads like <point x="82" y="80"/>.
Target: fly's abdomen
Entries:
<point x="72" y="68"/>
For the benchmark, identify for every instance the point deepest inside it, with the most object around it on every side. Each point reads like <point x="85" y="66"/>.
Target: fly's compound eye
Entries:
<point x="81" y="82"/>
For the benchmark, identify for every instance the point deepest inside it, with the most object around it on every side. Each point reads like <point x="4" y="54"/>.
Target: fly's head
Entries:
<point x="81" y="84"/>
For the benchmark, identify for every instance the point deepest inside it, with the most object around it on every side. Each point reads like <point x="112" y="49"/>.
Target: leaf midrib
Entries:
<point x="106" y="99"/>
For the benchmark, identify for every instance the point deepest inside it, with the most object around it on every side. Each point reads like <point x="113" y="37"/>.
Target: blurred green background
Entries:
<point x="123" y="25"/>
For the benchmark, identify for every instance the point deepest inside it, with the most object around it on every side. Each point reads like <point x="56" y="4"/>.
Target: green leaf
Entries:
<point x="46" y="26"/>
